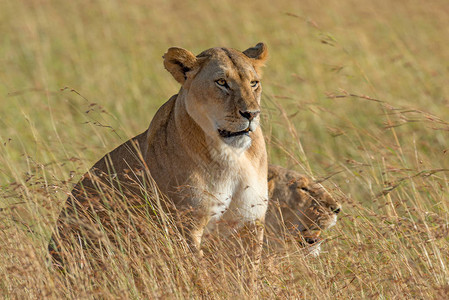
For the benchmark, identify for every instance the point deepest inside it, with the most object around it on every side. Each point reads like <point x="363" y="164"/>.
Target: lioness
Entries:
<point x="204" y="149"/>
<point x="298" y="207"/>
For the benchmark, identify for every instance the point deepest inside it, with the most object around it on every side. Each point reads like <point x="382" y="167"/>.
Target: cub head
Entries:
<point x="221" y="90"/>
<point x="301" y="207"/>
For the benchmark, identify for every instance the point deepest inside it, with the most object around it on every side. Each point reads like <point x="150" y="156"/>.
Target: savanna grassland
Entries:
<point x="356" y="94"/>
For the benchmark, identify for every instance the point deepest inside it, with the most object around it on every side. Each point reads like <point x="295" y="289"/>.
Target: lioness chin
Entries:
<point x="204" y="149"/>
<point x="298" y="208"/>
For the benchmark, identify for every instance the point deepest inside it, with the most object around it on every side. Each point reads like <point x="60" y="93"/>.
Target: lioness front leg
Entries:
<point x="194" y="237"/>
<point x="251" y="241"/>
<point x="192" y="228"/>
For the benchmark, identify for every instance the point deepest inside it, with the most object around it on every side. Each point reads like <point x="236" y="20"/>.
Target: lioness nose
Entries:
<point x="249" y="114"/>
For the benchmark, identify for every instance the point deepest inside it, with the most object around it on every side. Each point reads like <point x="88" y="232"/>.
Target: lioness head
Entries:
<point x="299" y="205"/>
<point x="223" y="89"/>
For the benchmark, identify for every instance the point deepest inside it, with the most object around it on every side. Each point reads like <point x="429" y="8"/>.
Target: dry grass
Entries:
<point x="355" y="92"/>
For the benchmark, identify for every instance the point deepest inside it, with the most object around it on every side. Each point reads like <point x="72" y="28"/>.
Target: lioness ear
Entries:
<point x="258" y="53"/>
<point x="178" y="62"/>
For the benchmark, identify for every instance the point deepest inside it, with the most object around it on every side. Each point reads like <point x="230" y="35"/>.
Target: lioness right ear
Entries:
<point x="258" y="54"/>
<point x="178" y="62"/>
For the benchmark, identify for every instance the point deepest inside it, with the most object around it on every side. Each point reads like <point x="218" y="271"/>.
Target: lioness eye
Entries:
<point x="221" y="82"/>
<point x="254" y="83"/>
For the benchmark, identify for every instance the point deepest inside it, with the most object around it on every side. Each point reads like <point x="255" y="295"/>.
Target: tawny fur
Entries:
<point x="298" y="206"/>
<point x="214" y="179"/>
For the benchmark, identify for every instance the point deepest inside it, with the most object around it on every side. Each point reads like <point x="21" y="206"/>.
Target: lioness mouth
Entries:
<point x="227" y="134"/>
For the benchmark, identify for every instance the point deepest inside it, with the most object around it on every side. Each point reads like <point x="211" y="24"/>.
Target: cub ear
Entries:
<point x="258" y="53"/>
<point x="178" y="62"/>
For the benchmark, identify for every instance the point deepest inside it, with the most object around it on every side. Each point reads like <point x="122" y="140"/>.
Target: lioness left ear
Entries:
<point x="178" y="62"/>
<point x="258" y="54"/>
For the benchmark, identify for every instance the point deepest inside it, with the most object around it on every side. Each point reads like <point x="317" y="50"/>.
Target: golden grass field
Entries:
<point x="355" y="92"/>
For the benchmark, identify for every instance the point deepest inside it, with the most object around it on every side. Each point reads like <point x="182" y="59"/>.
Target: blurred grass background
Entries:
<point x="355" y="92"/>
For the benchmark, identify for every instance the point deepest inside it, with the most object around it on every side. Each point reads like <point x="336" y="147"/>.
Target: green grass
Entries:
<point x="355" y="90"/>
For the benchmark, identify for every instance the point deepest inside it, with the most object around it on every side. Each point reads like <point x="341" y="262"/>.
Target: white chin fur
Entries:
<point x="241" y="142"/>
<point x="334" y="221"/>
<point x="313" y="250"/>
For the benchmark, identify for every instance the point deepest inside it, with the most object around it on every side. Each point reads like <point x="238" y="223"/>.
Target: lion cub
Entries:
<point x="299" y="208"/>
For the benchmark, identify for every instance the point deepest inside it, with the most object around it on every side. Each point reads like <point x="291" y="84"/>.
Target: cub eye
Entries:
<point x="254" y="83"/>
<point x="221" y="82"/>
